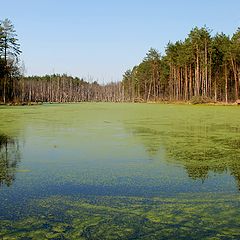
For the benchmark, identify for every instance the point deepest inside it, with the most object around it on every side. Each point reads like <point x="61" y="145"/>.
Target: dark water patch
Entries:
<point x="9" y="159"/>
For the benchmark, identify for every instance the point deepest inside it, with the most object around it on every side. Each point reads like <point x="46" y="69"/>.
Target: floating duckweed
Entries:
<point x="185" y="216"/>
<point x="155" y="172"/>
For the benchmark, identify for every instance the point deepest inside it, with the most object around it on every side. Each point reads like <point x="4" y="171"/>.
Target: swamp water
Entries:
<point x="119" y="171"/>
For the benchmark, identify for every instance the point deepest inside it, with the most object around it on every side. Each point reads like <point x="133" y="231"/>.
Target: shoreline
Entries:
<point x="149" y="102"/>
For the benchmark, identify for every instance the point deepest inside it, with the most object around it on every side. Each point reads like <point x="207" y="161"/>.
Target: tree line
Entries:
<point x="64" y="88"/>
<point x="201" y="68"/>
<point x="16" y="88"/>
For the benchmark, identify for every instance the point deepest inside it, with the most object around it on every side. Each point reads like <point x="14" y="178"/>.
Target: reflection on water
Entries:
<point x="9" y="159"/>
<point x="199" y="149"/>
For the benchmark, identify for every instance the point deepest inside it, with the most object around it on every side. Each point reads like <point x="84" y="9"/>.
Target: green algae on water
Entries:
<point x="120" y="171"/>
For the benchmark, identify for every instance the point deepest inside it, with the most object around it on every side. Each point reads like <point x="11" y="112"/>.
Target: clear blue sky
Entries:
<point x="103" y="38"/>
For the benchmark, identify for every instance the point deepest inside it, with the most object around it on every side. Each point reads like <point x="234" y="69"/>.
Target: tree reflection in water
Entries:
<point x="200" y="150"/>
<point x="9" y="159"/>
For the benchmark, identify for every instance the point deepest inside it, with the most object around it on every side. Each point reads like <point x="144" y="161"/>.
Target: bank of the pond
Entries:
<point x="149" y="102"/>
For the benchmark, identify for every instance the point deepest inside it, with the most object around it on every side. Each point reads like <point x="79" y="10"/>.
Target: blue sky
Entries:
<point x="101" y="39"/>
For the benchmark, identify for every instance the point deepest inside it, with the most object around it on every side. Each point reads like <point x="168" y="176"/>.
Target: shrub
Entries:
<point x="200" y="100"/>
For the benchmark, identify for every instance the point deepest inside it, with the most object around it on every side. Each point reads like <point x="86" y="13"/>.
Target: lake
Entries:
<point x="119" y="171"/>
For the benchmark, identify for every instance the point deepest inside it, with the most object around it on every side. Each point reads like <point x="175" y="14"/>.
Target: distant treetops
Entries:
<point x="200" y="68"/>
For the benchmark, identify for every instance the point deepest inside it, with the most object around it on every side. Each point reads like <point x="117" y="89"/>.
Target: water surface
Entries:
<point x="119" y="171"/>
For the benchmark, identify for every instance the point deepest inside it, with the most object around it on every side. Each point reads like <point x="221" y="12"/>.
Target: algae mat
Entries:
<point x="119" y="171"/>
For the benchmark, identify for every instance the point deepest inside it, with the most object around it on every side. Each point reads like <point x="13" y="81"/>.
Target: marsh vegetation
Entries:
<point x="119" y="171"/>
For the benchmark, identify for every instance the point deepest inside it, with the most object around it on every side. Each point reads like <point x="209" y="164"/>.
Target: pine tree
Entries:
<point x="9" y="52"/>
